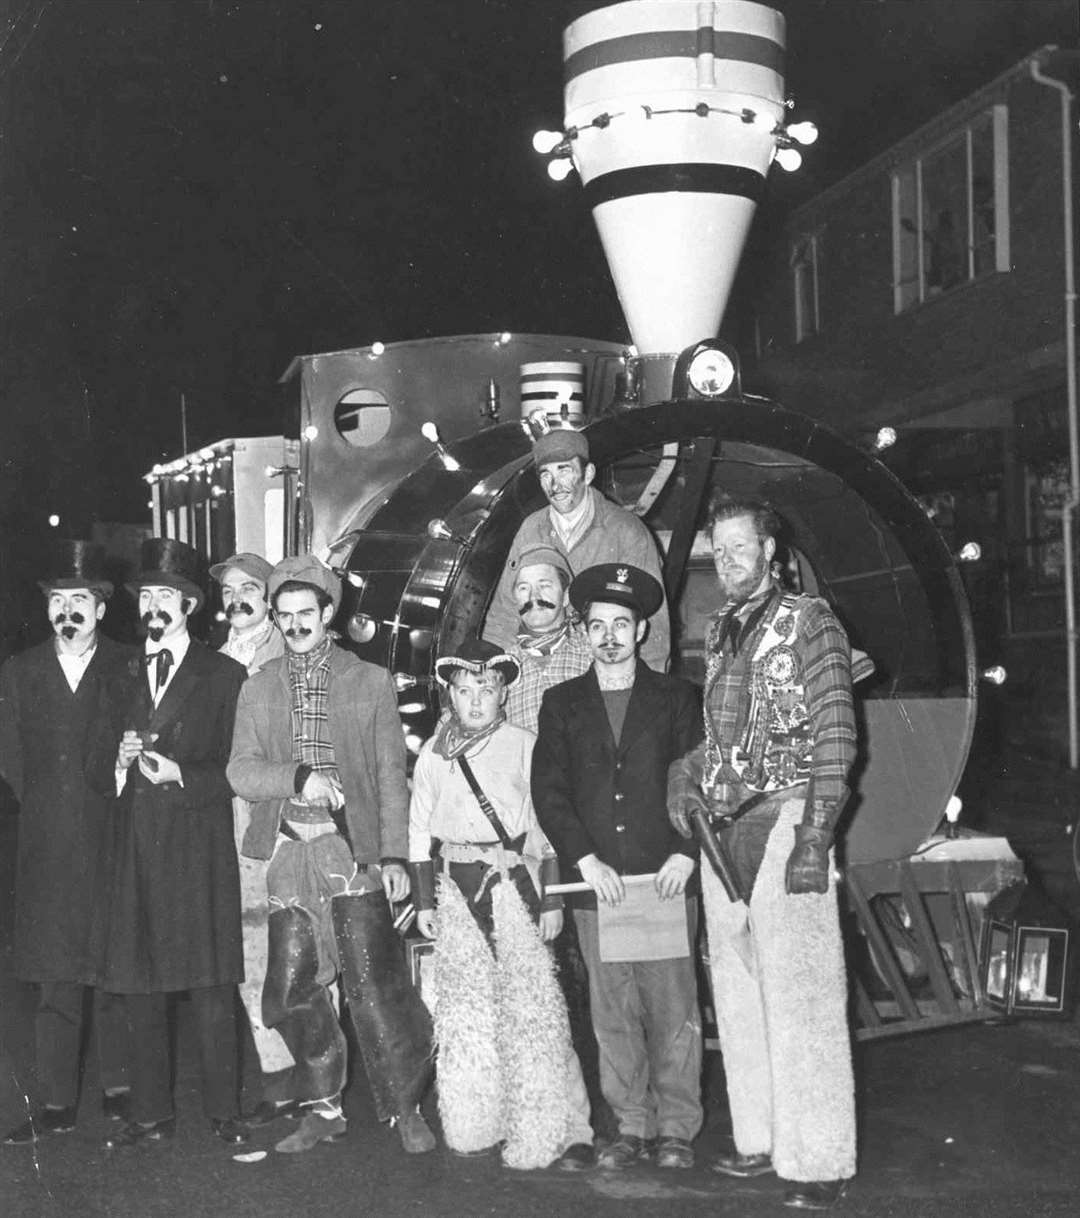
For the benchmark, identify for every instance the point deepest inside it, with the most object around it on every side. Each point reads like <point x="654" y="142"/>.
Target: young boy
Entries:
<point x="507" y="1071"/>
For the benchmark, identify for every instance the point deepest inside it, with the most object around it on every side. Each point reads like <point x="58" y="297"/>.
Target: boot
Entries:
<point x="393" y="1027"/>
<point x="299" y="1006"/>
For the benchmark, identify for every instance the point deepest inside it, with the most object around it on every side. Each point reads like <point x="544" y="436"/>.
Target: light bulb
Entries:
<point x="885" y="438"/>
<point x="995" y="675"/>
<point x="970" y="551"/>
<point x="804" y="133"/>
<point x="546" y="141"/>
<point x="560" y="169"/>
<point x="789" y="158"/>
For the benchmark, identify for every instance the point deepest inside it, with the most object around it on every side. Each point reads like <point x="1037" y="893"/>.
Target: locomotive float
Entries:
<point x="409" y="469"/>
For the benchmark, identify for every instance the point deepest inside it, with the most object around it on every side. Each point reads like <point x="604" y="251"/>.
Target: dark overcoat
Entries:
<point x="50" y="740"/>
<point x="174" y="912"/>
<point x="593" y="796"/>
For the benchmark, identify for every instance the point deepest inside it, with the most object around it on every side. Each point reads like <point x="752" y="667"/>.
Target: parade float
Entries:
<point x="408" y="469"/>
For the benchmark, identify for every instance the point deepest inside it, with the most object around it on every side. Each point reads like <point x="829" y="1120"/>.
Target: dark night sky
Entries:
<point x="195" y="190"/>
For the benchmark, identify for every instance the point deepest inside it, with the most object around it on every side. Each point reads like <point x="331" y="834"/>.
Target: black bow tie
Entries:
<point x="164" y="660"/>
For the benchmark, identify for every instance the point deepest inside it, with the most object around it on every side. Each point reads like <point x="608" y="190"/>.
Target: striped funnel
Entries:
<point x="674" y="104"/>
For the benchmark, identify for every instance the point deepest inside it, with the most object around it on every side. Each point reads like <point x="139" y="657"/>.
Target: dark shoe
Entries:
<point x="230" y="1130"/>
<point x="134" y="1134"/>
<point x="742" y="1166"/>
<point x="47" y="1121"/>
<point x="817" y="1195"/>
<point x="674" y="1152"/>
<point x="416" y="1137"/>
<point x="578" y="1156"/>
<point x="626" y="1150"/>
<point x="116" y="1105"/>
<point x="266" y="1112"/>
<point x="312" y="1130"/>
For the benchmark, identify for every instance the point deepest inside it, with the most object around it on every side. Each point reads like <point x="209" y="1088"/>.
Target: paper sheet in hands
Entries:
<point x="642" y="926"/>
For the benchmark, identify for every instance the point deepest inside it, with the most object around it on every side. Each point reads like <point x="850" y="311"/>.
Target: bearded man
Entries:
<point x="52" y="715"/>
<point x="771" y="777"/>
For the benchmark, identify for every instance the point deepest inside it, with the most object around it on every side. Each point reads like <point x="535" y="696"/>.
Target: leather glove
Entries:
<point x="684" y="796"/>
<point x="808" y="864"/>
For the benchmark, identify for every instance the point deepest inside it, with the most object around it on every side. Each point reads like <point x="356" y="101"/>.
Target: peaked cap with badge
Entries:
<point x="618" y="584"/>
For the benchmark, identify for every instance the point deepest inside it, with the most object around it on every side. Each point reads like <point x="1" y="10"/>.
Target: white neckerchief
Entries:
<point x="74" y="666"/>
<point x="572" y="526"/>
<point x="242" y="647"/>
<point x="178" y="644"/>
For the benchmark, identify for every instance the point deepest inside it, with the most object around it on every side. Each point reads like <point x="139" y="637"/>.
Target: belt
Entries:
<point x="479" y="852"/>
<point x="724" y="820"/>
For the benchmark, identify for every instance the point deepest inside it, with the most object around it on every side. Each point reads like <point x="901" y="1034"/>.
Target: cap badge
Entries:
<point x="622" y="575"/>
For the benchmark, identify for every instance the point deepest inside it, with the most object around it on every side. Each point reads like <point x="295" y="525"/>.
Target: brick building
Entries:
<point x="928" y="291"/>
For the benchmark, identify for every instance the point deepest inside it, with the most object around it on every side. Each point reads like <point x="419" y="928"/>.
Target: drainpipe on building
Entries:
<point x="1069" y="507"/>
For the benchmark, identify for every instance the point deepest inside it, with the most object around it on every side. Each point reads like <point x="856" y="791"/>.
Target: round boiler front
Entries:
<point x="856" y="537"/>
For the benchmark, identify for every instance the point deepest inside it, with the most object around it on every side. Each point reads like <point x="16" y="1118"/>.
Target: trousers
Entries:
<point x="648" y="1029"/>
<point x="780" y="991"/>
<point x="58" y="1033"/>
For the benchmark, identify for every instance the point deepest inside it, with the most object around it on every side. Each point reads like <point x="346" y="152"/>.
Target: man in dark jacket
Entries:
<point x="174" y="918"/>
<point x="599" y="783"/>
<point x="51" y="720"/>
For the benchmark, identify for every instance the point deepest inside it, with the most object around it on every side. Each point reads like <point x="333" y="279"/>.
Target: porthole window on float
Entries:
<point x="362" y="417"/>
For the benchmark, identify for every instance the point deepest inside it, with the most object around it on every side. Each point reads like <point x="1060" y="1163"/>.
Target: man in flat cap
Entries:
<point x="319" y="751"/>
<point x="550" y="646"/>
<point x="599" y="782"/>
<point x="586" y="529"/>
<point x="253" y="641"/>
<point x="52" y="712"/>
<point x="174" y="919"/>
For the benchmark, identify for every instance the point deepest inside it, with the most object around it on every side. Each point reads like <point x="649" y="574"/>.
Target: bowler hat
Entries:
<point x="168" y="563"/>
<point x="476" y="655"/>
<point x="251" y="564"/>
<point x="75" y="564"/>
<point x="618" y="584"/>
<point x="560" y="444"/>
<point x="305" y="569"/>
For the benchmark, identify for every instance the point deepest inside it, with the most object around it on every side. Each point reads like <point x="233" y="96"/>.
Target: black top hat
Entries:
<point x="75" y="564"/>
<point x="617" y="583"/>
<point x="171" y="564"/>
<point x="475" y="655"/>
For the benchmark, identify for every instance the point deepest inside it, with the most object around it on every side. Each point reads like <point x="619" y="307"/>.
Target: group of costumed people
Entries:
<point x="563" y="746"/>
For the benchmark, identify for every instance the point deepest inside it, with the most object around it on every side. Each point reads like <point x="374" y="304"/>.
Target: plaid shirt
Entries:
<point x="309" y="681"/>
<point x="825" y="659"/>
<point x="570" y="658"/>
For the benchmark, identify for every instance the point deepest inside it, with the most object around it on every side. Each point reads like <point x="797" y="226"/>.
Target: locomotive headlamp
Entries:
<point x="711" y="373"/>
<point x="708" y="369"/>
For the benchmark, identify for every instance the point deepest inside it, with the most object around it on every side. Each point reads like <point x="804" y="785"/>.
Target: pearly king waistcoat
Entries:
<point x="772" y="744"/>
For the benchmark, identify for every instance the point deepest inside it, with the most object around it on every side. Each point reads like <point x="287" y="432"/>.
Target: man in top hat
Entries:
<point x="550" y="646"/>
<point x="599" y="782"/>
<point x="471" y="814"/>
<point x="52" y="712"/>
<point x="174" y="919"/>
<point x="772" y="778"/>
<point x="318" y="749"/>
<point x="253" y="641"/>
<point x="586" y="529"/>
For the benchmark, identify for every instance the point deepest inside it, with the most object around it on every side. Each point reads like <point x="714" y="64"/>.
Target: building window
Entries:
<point x="805" y="280"/>
<point x="951" y="212"/>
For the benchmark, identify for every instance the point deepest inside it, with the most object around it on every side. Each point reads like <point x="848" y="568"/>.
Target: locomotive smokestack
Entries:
<point x="673" y="112"/>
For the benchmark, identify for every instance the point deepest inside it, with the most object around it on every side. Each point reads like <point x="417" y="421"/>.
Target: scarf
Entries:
<point x="544" y="644"/>
<point x="309" y="681"/>
<point x="242" y="647"/>
<point x="570" y="529"/>
<point x="450" y="741"/>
